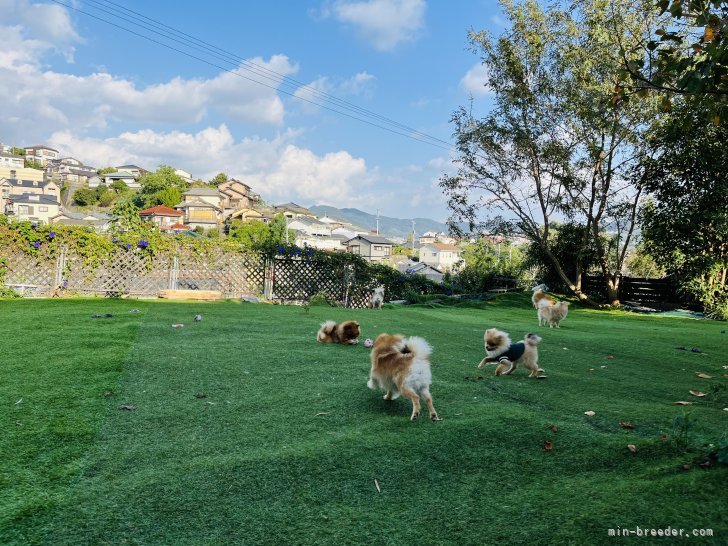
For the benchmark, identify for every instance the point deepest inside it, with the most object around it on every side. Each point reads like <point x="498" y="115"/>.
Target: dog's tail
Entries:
<point x="418" y="347"/>
<point x="327" y="329"/>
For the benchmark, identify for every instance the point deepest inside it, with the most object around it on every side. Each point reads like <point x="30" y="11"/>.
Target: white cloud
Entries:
<point x="383" y="23"/>
<point x="277" y="168"/>
<point x="475" y="81"/>
<point x="48" y="25"/>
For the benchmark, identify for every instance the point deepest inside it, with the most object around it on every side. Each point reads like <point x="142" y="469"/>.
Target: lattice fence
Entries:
<point x="135" y="274"/>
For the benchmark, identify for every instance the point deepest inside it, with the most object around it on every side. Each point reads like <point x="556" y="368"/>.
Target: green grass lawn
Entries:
<point x="287" y="444"/>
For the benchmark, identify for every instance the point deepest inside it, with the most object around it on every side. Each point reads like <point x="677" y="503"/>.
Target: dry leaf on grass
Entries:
<point x="319" y="414"/>
<point x="626" y="424"/>
<point x="127" y="407"/>
<point x="681" y="403"/>
<point x="554" y="428"/>
<point x="548" y="446"/>
<point x="697" y="393"/>
<point x="703" y="375"/>
<point x="663" y="437"/>
<point x="590" y="413"/>
<point x="200" y="395"/>
<point x="632" y="448"/>
<point x="376" y="484"/>
<point x="610" y="357"/>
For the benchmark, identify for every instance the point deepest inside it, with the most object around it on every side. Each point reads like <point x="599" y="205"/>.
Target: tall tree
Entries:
<point x="685" y="223"/>
<point x="554" y="146"/>
<point x="687" y="56"/>
<point x="162" y="187"/>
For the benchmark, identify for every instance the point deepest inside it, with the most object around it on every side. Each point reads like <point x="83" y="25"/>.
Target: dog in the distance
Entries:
<point x="499" y="350"/>
<point x="346" y="332"/>
<point x="539" y="295"/>
<point x="400" y="365"/>
<point x="377" y="298"/>
<point x="552" y="313"/>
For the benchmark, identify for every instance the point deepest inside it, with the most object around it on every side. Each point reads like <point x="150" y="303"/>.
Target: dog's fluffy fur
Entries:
<point x="377" y="298"/>
<point x="552" y="314"/>
<point x="539" y="295"/>
<point x="346" y="332"/>
<point x="497" y="345"/>
<point x="401" y="366"/>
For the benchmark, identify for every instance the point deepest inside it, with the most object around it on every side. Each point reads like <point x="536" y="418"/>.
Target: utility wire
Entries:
<point x="335" y="104"/>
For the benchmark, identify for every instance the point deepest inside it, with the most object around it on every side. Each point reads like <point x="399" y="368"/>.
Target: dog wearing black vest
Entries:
<point x="499" y="350"/>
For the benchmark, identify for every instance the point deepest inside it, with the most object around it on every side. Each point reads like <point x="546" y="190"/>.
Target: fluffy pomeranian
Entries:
<point x="499" y="350"/>
<point x="401" y="365"/>
<point x="540" y="296"/>
<point x="346" y="332"/>
<point x="377" y="298"/>
<point x="552" y="313"/>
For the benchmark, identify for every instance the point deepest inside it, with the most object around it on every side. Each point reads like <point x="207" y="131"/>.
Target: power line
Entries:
<point x="334" y="104"/>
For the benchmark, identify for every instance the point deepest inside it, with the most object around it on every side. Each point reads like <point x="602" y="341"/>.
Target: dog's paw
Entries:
<point x="415" y="415"/>
<point x="435" y="417"/>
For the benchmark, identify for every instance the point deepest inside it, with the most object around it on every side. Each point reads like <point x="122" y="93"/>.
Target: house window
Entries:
<point x="42" y="209"/>
<point x="387" y="250"/>
<point x="25" y="209"/>
<point x="377" y="247"/>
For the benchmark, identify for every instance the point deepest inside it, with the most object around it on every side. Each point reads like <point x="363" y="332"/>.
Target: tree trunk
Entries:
<point x="572" y="286"/>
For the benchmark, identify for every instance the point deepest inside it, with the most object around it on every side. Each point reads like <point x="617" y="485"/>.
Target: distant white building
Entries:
<point x="440" y="255"/>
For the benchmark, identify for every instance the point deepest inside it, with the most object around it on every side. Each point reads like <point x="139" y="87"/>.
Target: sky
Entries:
<point x="72" y="77"/>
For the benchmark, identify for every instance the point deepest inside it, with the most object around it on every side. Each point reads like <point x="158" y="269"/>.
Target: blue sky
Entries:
<point x="105" y="96"/>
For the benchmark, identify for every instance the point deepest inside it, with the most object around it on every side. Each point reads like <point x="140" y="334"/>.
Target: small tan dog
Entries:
<point x="345" y="332"/>
<point x="552" y="314"/>
<point x="377" y="298"/>
<point x="401" y="366"/>
<point x="500" y="350"/>
<point x="539" y="295"/>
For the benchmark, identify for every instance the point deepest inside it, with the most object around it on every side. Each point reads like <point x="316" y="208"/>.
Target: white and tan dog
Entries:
<point x="401" y="365"/>
<point x="507" y="355"/>
<point x="540" y="295"/>
<point x="346" y="332"/>
<point x="552" y="314"/>
<point x="377" y="298"/>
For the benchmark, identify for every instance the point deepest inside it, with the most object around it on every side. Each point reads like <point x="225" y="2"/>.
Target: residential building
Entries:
<point x="33" y="207"/>
<point x="135" y="170"/>
<point x="108" y="179"/>
<point x="334" y="243"/>
<point x="71" y="170"/>
<point x="11" y="161"/>
<point x="309" y="226"/>
<point x="12" y="187"/>
<point x="237" y="195"/>
<point x="372" y="248"/>
<point x="163" y="216"/>
<point x="418" y="268"/>
<point x="97" y="220"/>
<point x="201" y="207"/>
<point x="22" y="174"/>
<point x="442" y="256"/>
<point x="187" y="177"/>
<point x="250" y="215"/>
<point x="292" y="210"/>
<point x="41" y="154"/>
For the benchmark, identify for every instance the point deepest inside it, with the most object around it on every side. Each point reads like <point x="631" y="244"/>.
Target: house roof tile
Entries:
<point x="160" y="210"/>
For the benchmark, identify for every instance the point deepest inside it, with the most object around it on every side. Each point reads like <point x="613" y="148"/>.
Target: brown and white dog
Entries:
<point x="346" y="332"/>
<point x="552" y="314"/>
<point x="539" y="296"/>
<point x="401" y="365"/>
<point x="507" y="355"/>
<point x="377" y="298"/>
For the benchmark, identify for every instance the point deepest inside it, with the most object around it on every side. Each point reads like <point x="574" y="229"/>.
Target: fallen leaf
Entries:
<point x="554" y="428"/>
<point x="548" y="446"/>
<point x="602" y="366"/>
<point x="541" y="376"/>
<point x="725" y="409"/>
<point x="632" y="448"/>
<point x="687" y="466"/>
<point x="626" y="424"/>
<point x="376" y="484"/>
<point x="107" y="394"/>
<point x="591" y="369"/>
<point x="19" y="402"/>
<point x="681" y="403"/>
<point x="610" y="357"/>
<point x="200" y="395"/>
<point x="663" y="437"/>
<point x="590" y="413"/>
<point x="706" y="464"/>
<point x="322" y="413"/>
<point x="697" y="393"/>
<point x="127" y="407"/>
<point x="703" y="375"/>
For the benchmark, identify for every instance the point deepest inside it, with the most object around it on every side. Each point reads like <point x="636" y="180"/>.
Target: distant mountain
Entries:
<point x="388" y="227"/>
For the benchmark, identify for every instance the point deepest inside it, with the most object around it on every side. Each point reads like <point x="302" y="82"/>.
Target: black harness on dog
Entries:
<point x="514" y="352"/>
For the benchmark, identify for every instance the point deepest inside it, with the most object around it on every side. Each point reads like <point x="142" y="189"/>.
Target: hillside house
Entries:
<point x="22" y="174"/>
<point x="372" y="248"/>
<point x="33" y="207"/>
<point x="237" y="195"/>
<point x="41" y="154"/>
<point x="99" y="221"/>
<point x="135" y="170"/>
<point x="11" y="161"/>
<point x="441" y="256"/>
<point x="201" y="208"/>
<point x="164" y="217"/>
<point x="11" y="187"/>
